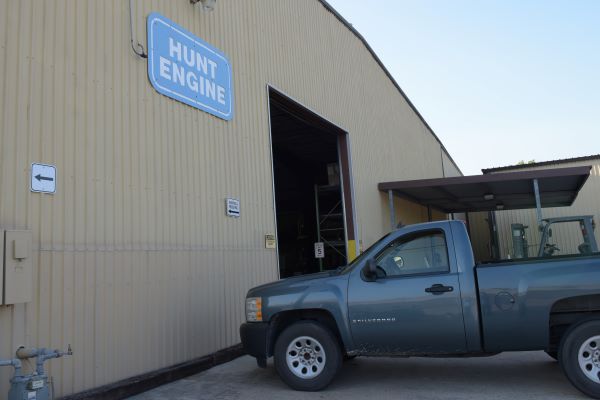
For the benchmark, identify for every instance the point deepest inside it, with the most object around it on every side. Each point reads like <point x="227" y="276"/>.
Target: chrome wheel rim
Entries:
<point x="305" y="357"/>
<point x="589" y="358"/>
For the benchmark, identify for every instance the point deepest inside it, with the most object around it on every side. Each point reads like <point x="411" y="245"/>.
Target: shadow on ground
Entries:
<point x="514" y="376"/>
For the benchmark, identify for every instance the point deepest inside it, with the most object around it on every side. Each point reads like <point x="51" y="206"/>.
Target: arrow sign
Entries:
<point x="43" y="178"/>
<point x="232" y="207"/>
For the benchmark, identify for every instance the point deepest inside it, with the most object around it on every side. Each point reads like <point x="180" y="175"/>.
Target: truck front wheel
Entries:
<point x="307" y="356"/>
<point x="580" y="357"/>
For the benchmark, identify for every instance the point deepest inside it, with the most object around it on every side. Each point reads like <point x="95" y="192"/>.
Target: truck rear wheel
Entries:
<point x="580" y="357"/>
<point x="307" y="356"/>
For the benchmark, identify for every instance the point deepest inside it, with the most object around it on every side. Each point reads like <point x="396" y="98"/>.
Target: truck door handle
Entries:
<point x="439" y="289"/>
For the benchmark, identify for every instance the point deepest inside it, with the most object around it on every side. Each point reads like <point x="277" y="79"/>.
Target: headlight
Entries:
<point x="253" y="309"/>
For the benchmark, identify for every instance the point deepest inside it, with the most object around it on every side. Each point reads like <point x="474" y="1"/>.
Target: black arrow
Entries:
<point x="40" y="178"/>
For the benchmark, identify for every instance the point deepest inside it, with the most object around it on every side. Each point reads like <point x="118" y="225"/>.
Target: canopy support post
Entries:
<point x="494" y="246"/>
<point x="538" y="203"/>
<point x="392" y="211"/>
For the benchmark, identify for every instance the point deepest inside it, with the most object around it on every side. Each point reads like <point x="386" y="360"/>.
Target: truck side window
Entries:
<point x="421" y="254"/>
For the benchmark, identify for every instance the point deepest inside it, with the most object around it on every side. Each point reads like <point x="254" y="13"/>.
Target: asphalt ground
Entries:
<point x="511" y="376"/>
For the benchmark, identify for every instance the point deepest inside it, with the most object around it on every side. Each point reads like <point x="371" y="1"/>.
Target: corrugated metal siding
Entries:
<point x="480" y="235"/>
<point x="566" y="236"/>
<point x="136" y="265"/>
<point x="450" y="169"/>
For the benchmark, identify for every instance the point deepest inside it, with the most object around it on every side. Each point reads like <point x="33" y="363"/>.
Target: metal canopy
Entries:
<point x="491" y="192"/>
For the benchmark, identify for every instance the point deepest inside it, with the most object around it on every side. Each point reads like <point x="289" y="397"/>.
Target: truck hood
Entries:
<point x="324" y="291"/>
<point x="294" y="284"/>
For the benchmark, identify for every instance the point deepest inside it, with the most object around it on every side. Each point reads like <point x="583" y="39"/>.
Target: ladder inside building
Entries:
<point x="330" y="225"/>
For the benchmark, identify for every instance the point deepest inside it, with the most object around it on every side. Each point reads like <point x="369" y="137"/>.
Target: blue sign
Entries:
<point x="186" y="68"/>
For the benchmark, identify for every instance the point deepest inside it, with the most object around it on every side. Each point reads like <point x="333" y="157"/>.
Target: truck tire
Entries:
<point x="307" y="356"/>
<point x="579" y="357"/>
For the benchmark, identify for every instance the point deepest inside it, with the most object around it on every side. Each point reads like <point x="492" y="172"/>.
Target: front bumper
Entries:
<point x="254" y="338"/>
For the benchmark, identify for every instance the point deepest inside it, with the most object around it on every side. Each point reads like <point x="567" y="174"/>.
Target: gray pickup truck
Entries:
<point x="418" y="292"/>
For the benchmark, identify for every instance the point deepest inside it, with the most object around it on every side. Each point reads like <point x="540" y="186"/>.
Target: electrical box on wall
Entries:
<point x="18" y="267"/>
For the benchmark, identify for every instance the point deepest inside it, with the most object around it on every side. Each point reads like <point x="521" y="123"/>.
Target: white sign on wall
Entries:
<point x="232" y="207"/>
<point x="43" y="178"/>
<point x="270" y="242"/>
<point x="319" y="250"/>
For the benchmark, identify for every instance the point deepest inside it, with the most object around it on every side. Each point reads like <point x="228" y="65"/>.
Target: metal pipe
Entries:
<point x="538" y="203"/>
<point x="494" y="242"/>
<point x="15" y="363"/>
<point x="46" y="354"/>
<point x="140" y="49"/>
<point x="392" y="211"/>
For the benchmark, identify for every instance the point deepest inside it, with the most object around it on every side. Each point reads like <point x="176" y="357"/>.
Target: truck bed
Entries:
<point x="517" y="297"/>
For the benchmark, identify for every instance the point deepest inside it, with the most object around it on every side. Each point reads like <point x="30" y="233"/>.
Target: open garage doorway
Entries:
<point x="313" y="193"/>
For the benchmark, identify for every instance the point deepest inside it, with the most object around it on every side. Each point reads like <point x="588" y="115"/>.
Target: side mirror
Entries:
<point x="370" y="270"/>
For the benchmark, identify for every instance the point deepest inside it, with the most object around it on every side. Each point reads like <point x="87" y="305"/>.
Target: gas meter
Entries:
<point x="32" y="386"/>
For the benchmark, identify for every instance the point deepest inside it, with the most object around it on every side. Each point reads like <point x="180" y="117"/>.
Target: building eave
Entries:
<point x="541" y="163"/>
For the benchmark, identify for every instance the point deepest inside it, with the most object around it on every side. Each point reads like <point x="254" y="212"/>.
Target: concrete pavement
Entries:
<point x="513" y="376"/>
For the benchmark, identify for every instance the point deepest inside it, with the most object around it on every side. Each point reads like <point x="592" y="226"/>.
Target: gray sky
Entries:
<point x="498" y="81"/>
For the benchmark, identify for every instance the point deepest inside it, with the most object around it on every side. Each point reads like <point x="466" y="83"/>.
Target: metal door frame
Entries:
<point x="342" y="131"/>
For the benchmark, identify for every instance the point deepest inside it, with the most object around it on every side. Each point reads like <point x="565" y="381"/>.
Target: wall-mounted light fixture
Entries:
<point x="499" y="206"/>
<point x="207" y="5"/>
<point x="488" y="196"/>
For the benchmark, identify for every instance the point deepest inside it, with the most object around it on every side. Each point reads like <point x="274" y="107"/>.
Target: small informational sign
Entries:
<point x="270" y="242"/>
<point x="232" y="207"/>
<point x="186" y="68"/>
<point x="319" y="250"/>
<point x="37" y="384"/>
<point x="43" y="178"/>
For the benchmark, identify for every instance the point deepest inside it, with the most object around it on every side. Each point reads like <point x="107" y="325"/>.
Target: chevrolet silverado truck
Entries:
<point x="418" y="292"/>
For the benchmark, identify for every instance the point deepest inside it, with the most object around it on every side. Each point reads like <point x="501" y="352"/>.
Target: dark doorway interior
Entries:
<point x="308" y="195"/>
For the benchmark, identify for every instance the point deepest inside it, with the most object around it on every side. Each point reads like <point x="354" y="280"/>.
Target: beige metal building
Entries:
<point x="567" y="236"/>
<point x="133" y="259"/>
